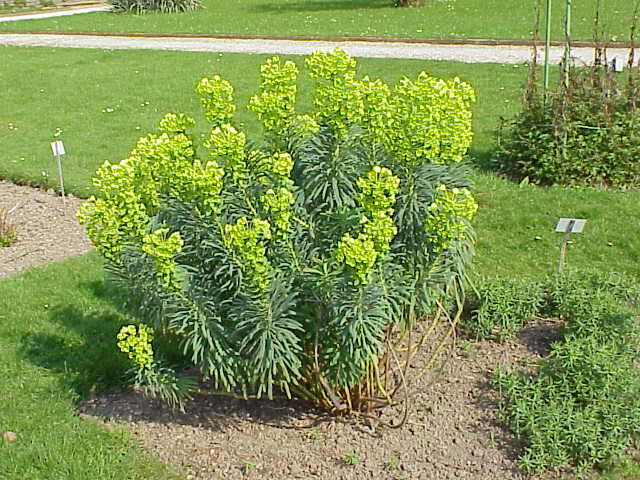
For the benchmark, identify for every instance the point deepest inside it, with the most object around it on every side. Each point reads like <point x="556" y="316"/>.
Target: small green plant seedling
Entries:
<point x="8" y="233"/>
<point x="393" y="463"/>
<point x="468" y="349"/>
<point x="313" y="435"/>
<point x="248" y="467"/>
<point x="351" y="457"/>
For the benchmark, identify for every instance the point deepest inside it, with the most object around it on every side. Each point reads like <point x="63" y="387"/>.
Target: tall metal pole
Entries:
<point x="547" y="45"/>
<point x="567" y="38"/>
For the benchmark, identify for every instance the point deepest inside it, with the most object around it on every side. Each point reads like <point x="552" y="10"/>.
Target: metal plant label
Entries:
<point x="57" y="148"/>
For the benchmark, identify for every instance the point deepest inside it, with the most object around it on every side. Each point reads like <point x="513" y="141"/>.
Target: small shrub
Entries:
<point x="585" y="131"/>
<point x="8" y="232"/>
<point x="582" y="406"/>
<point x="164" y="6"/>
<point x="296" y="264"/>
<point x="501" y="306"/>
<point x="587" y="134"/>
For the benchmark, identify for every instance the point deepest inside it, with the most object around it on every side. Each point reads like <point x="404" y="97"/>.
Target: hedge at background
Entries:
<point x="585" y="132"/>
<point x="298" y="264"/>
<point x="164" y="6"/>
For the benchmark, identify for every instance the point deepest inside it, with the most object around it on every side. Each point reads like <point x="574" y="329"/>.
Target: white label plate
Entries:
<point x="563" y="225"/>
<point x="57" y="147"/>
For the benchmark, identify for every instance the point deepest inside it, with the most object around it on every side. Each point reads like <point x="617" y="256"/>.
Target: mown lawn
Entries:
<point x="515" y="222"/>
<point x="57" y="324"/>
<point x="56" y="344"/>
<point x="505" y="19"/>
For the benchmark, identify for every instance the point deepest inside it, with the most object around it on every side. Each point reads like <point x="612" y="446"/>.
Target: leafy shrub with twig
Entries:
<point x="585" y="131"/>
<point x="300" y="264"/>
<point x="499" y="307"/>
<point x="8" y="232"/>
<point x="582" y="405"/>
<point x="164" y="6"/>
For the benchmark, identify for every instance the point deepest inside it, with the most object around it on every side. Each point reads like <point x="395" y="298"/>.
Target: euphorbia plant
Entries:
<point x="298" y="263"/>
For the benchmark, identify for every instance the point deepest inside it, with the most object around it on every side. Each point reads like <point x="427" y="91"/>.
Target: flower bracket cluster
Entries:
<point x="376" y="198"/>
<point x="449" y="214"/>
<point x="135" y="342"/>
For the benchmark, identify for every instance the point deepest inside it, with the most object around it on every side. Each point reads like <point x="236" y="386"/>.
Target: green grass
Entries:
<point x="57" y="324"/>
<point x="45" y="96"/>
<point x="515" y="223"/>
<point x="508" y="19"/>
<point x="56" y="343"/>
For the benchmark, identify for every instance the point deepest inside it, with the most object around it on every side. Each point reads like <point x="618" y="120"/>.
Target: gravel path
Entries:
<point x="374" y="49"/>
<point x="58" y="13"/>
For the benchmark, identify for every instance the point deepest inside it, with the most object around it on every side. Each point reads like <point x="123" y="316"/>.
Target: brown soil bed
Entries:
<point x="46" y="226"/>
<point x="451" y="432"/>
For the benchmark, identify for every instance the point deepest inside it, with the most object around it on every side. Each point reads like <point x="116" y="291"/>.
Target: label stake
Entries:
<point x="567" y="226"/>
<point x="57" y="148"/>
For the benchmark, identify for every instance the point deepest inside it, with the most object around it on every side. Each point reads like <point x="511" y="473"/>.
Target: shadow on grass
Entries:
<point x="83" y="354"/>
<point x="484" y="160"/>
<point x="84" y="350"/>
<point x="278" y="6"/>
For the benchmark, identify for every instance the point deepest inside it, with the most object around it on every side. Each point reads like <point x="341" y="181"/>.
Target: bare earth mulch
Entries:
<point x="451" y="432"/>
<point x="47" y="228"/>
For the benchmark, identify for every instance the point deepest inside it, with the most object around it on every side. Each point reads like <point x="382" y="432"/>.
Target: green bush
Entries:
<point x="300" y="263"/>
<point x="498" y="308"/>
<point x="165" y="6"/>
<point x="586" y="132"/>
<point x="582" y="405"/>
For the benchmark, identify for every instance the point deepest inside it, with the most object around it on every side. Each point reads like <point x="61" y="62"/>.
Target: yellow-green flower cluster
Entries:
<point x="377" y="190"/>
<point x="429" y="120"/>
<point x="370" y="106"/>
<point x="130" y="191"/>
<point x="376" y="198"/>
<point x="358" y="254"/>
<point x="118" y="217"/>
<point x="202" y="183"/>
<point x="274" y="172"/>
<point x="333" y="65"/>
<point x="162" y="248"/>
<point x="304" y="126"/>
<point x="278" y="166"/>
<point x="175" y="123"/>
<point x="449" y="213"/>
<point x="136" y="343"/>
<point x="335" y="73"/>
<point x="216" y="99"/>
<point x="277" y="203"/>
<point x="426" y="120"/>
<point x="455" y="121"/>
<point x="275" y="102"/>
<point x="247" y="241"/>
<point x="228" y="144"/>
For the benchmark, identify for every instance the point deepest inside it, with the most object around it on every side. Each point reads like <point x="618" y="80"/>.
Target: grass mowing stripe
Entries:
<point x="504" y="19"/>
<point x="57" y="335"/>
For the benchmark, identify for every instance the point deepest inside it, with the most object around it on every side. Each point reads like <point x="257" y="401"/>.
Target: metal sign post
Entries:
<point x="567" y="226"/>
<point x="547" y="45"/>
<point x="57" y="148"/>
